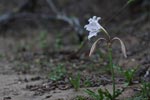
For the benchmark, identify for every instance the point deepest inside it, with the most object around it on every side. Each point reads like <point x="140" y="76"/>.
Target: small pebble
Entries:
<point x="7" y="98"/>
<point x="48" y="96"/>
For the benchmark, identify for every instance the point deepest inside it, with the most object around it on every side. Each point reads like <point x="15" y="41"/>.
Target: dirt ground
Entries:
<point x="26" y="61"/>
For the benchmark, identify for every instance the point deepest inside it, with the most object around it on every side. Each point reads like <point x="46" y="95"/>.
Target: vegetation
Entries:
<point x="45" y="50"/>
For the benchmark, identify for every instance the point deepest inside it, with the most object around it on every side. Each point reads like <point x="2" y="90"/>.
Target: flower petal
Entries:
<point x="91" y="34"/>
<point x="93" y="27"/>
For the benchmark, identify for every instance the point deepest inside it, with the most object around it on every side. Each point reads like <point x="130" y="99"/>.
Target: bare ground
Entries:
<point x="25" y="66"/>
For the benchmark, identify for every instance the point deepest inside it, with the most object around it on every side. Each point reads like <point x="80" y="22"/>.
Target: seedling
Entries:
<point x="57" y="73"/>
<point x="87" y="83"/>
<point x="144" y="93"/>
<point x="95" y="96"/>
<point x="103" y="95"/>
<point x="94" y="27"/>
<point x="1" y="55"/>
<point x="22" y="67"/>
<point x="145" y="90"/>
<point x="128" y="74"/>
<point x="79" y="98"/>
<point x="75" y="81"/>
<point x="130" y="1"/>
<point x="43" y="40"/>
<point x="58" y="41"/>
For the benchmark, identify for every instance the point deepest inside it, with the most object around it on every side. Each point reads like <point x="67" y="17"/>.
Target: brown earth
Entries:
<point x="25" y="66"/>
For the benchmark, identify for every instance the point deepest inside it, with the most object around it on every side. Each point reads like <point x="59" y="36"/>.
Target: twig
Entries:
<point x="29" y="6"/>
<point x="52" y="6"/>
<point x="72" y="21"/>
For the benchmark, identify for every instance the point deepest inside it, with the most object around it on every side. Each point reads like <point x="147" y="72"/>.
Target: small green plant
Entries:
<point x="99" y="96"/>
<point x="57" y="73"/>
<point x="22" y="46"/>
<point x="87" y="83"/>
<point x="128" y="74"/>
<point x="79" y="98"/>
<point x="103" y="94"/>
<point x="22" y="67"/>
<point x="130" y="1"/>
<point x="58" y="41"/>
<point x="94" y="28"/>
<point x="1" y="55"/>
<point x="75" y="81"/>
<point x="43" y="40"/>
<point x="144" y="93"/>
<point x="145" y="90"/>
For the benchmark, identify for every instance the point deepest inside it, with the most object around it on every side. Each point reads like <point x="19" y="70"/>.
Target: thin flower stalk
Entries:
<point x="94" y="28"/>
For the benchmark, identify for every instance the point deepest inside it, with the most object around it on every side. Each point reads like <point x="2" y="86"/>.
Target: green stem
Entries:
<point x="105" y="32"/>
<point x="112" y="69"/>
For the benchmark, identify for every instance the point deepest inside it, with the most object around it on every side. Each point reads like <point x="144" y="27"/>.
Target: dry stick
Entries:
<point x="52" y="6"/>
<point x="72" y="21"/>
<point x="59" y="15"/>
<point x="29" y="5"/>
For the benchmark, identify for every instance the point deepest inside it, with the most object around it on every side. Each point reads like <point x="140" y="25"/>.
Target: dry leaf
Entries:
<point x="123" y="48"/>
<point x="94" y="45"/>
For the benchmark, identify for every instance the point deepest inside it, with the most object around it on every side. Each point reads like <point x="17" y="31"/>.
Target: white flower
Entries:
<point x="93" y="27"/>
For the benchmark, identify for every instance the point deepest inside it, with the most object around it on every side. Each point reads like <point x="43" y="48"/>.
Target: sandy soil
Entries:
<point x="25" y="66"/>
